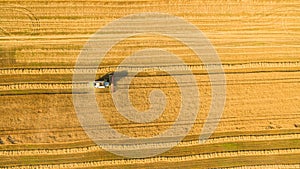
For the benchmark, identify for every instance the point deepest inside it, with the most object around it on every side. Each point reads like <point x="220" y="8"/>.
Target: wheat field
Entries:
<point x="258" y="42"/>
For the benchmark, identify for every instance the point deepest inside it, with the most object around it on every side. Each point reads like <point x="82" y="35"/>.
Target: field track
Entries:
<point x="258" y="42"/>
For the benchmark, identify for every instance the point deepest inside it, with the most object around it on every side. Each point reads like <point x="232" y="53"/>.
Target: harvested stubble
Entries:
<point x="257" y="41"/>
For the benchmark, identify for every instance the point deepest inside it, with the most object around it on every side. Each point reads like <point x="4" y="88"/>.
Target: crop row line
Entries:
<point x="87" y="69"/>
<point x="246" y="153"/>
<point x="141" y="147"/>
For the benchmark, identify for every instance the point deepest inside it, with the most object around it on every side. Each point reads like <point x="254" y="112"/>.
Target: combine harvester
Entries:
<point x="106" y="81"/>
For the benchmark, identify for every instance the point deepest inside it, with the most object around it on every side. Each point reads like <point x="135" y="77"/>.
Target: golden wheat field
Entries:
<point x="258" y="43"/>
